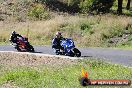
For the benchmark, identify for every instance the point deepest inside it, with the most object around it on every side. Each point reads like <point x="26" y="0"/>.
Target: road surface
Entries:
<point x="117" y="56"/>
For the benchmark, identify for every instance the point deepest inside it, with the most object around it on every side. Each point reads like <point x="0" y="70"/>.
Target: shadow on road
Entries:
<point x="86" y="56"/>
<point x="37" y="52"/>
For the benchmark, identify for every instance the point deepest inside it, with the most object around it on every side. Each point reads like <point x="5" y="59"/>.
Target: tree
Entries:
<point x="128" y="4"/>
<point x="119" y="10"/>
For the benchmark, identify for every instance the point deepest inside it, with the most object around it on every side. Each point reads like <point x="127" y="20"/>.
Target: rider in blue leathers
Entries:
<point x="56" y="42"/>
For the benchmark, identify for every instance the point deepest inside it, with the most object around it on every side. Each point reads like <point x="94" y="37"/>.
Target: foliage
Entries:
<point x="96" y="5"/>
<point x="38" y="11"/>
<point x="85" y="26"/>
<point x="85" y="5"/>
<point x="130" y="38"/>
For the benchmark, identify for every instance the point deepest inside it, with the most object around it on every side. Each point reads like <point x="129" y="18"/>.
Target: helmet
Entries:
<point x="13" y="32"/>
<point x="58" y="34"/>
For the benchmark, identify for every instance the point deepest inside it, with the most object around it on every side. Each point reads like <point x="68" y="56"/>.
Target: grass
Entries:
<point x="64" y="75"/>
<point x="124" y="47"/>
<point x="91" y="31"/>
<point x="87" y="31"/>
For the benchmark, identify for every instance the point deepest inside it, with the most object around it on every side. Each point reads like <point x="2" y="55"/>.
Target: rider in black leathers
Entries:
<point x="13" y="38"/>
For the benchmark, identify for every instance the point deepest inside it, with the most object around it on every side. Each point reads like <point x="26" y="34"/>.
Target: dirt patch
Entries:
<point x="31" y="59"/>
<point x="7" y="85"/>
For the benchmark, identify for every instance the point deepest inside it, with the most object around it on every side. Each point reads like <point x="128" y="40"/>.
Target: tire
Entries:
<point x="57" y="51"/>
<point x="30" y="48"/>
<point x="72" y="54"/>
<point x="77" y="52"/>
<point x="18" y="49"/>
<point x="84" y="81"/>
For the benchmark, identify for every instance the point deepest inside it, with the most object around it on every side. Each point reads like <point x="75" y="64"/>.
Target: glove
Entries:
<point x="10" y="40"/>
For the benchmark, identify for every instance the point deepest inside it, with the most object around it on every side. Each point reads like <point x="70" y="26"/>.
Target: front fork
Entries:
<point x="72" y="50"/>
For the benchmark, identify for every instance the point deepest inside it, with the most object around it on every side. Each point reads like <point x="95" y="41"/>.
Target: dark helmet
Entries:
<point x="13" y="33"/>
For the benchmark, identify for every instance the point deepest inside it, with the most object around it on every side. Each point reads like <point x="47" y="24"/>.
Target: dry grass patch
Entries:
<point x="86" y="31"/>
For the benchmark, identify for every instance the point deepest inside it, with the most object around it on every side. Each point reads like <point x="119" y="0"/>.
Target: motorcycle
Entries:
<point x="23" y="45"/>
<point x="69" y="48"/>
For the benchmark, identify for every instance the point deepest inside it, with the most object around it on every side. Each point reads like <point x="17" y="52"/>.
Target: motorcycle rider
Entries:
<point x="14" y="36"/>
<point x="56" y="42"/>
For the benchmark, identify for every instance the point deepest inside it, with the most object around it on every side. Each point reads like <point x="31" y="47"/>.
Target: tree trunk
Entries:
<point x="119" y="10"/>
<point x="128" y="4"/>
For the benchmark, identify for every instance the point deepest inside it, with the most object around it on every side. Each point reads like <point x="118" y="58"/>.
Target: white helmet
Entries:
<point x="13" y="32"/>
<point x="58" y="34"/>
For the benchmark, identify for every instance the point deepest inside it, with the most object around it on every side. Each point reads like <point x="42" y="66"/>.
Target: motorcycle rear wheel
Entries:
<point x="18" y="49"/>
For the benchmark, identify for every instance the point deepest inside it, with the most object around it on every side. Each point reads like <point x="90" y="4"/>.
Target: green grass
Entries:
<point x="124" y="47"/>
<point x="65" y="76"/>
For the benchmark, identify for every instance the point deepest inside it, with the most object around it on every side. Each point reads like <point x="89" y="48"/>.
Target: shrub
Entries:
<point x="85" y="5"/>
<point x="86" y="28"/>
<point x="130" y="28"/>
<point x="96" y="5"/>
<point x="38" y="11"/>
<point x="130" y="38"/>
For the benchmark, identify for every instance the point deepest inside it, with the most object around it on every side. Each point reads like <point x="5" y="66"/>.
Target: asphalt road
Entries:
<point x="117" y="56"/>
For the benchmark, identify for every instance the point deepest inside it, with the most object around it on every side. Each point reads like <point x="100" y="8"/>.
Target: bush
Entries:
<point x="69" y="2"/>
<point x="38" y="11"/>
<point x="86" y="28"/>
<point x="96" y="5"/>
<point x="130" y="38"/>
<point x="85" y="5"/>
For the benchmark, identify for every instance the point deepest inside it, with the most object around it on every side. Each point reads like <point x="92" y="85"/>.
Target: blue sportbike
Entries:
<point x="69" y="48"/>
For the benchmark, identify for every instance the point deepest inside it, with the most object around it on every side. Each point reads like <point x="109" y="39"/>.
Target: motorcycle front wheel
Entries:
<point x="30" y="48"/>
<point x="77" y="52"/>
